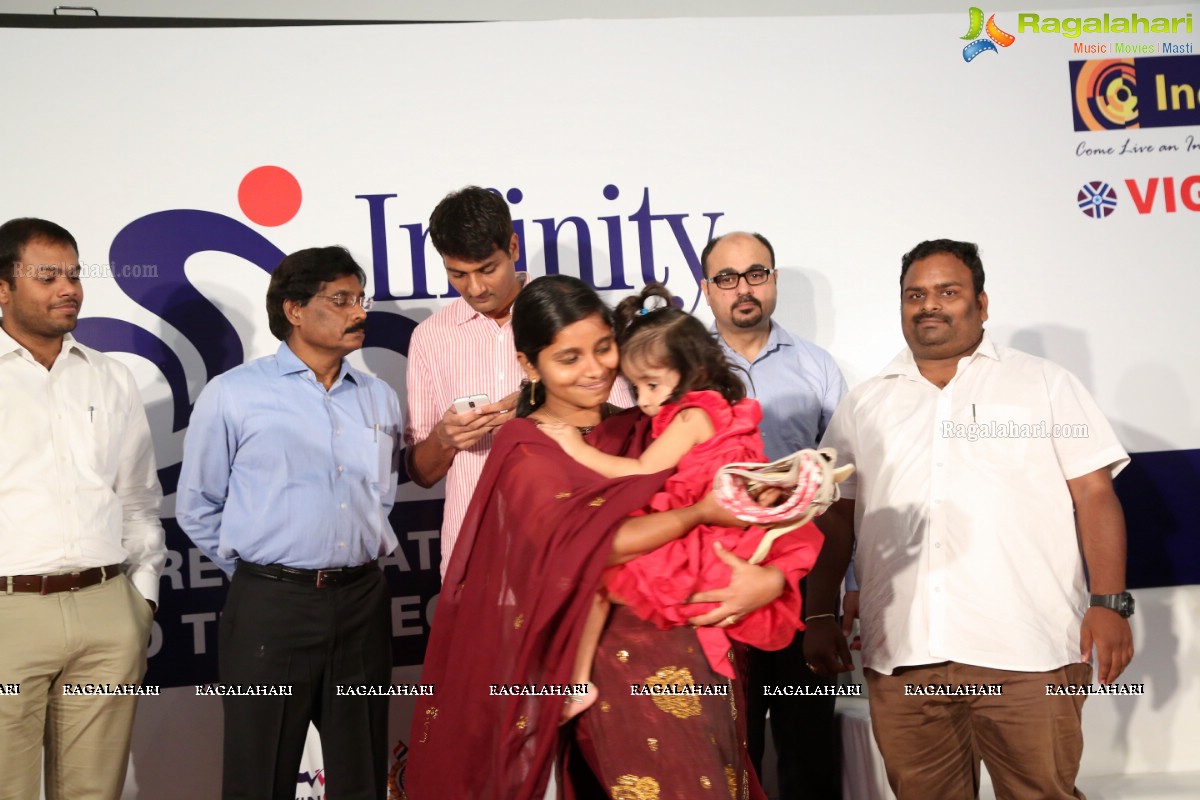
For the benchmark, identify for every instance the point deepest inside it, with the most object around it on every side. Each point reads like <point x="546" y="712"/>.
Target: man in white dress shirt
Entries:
<point x="81" y="546"/>
<point x="983" y="490"/>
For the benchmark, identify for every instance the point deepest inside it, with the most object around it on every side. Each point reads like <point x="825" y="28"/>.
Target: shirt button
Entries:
<point x="940" y="464"/>
<point x="937" y="501"/>
<point x="337" y="431"/>
<point x="342" y="545"/>
<point x="937" y="589"/>
<point x="343" y="505"/>
<point x="938" y="545"/>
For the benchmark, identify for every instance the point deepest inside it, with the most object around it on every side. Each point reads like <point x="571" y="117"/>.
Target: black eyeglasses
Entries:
<point x="342" y="299"/>
<point x="729" y="280"/>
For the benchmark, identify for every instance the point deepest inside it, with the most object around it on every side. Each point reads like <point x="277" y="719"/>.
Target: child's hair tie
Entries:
<point x="654" y="302"/>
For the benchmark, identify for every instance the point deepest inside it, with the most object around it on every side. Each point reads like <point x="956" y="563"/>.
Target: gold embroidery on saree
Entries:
<point x="631" y="787"/>
<point x="678" y="706"/>
<point x="430" y="716"/>
<point x="731" y="781"/>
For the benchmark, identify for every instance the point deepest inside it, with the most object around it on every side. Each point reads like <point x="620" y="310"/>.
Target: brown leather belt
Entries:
<point x="51" y="584"/>
<point x="320" y="578"/>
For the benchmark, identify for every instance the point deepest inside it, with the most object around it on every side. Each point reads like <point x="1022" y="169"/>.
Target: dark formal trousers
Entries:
<point x="802" y="728"/>
<point x="313" y="640"/>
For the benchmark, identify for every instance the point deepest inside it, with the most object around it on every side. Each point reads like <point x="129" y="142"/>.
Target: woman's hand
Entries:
<point x="749" y="588"/>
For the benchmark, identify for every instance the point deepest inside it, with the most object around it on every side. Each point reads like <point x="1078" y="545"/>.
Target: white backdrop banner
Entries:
<point x="187" y="162"/>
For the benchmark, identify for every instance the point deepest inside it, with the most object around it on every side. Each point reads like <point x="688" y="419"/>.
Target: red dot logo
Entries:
<point x="269" y="196"/>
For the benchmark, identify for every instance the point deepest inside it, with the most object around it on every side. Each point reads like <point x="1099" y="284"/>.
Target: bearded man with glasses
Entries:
<point x="289" y="474"/>
<point x="799" y="386"/>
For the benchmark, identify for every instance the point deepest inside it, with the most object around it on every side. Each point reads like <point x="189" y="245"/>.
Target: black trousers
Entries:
<point x="806" y="739"/>
<point x="276" y="633"/>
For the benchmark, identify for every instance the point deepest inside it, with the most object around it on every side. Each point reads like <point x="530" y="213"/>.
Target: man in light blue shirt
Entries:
<point x="799" y="386"/>
<point x="289" y="473"/>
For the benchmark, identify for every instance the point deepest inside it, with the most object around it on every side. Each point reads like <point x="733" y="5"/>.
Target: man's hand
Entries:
<point x="849" y="614"/>
<point x="749" y="588"/>
<point x="1110" y="633"/>
<point x="713" y="513"/>
<point x="460" y="431"/>
<point x="825" y="647"/>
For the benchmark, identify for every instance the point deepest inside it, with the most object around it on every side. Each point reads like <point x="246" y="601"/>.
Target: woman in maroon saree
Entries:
<point x="537" y="536"/>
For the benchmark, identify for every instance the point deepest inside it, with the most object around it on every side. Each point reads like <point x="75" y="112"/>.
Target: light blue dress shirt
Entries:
<point x="277" y="470"/>
<point x="799" y="386"/>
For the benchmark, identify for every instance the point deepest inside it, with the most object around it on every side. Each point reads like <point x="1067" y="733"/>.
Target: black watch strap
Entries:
<point x="1121" y="603"/>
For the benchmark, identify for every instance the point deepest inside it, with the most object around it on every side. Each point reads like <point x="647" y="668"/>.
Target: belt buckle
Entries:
<point x="321" y="573"/>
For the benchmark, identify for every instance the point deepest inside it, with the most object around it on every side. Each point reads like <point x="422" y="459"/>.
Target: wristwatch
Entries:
<point x="1121" y="603"/>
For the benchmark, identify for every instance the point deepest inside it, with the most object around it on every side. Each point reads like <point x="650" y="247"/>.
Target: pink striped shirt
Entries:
<point x="455" y="353"/>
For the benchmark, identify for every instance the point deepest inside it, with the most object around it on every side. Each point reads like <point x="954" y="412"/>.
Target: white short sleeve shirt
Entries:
<point x="967" y="549"/>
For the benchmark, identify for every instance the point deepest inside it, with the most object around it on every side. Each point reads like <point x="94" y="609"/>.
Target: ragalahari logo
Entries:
<point x="979" y="45"/>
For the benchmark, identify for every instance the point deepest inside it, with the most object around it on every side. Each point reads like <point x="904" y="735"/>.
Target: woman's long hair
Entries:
<point x="543" y="308"/>
<point x="663" y="335"/>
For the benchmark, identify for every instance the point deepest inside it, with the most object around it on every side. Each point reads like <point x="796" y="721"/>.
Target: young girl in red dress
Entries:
<point x="702" y="420"/>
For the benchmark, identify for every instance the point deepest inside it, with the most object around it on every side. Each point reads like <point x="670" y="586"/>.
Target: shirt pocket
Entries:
<point x="1002" y="435"/>
<point x="104" y="432"/>
<point x="377" y="447"/>
<point x="385" y="454"/>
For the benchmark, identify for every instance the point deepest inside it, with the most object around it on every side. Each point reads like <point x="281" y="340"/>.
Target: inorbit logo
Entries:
<point x="1165" y="194"/>
<point x="987" y="44"/>
<point x="1097" y="199"/>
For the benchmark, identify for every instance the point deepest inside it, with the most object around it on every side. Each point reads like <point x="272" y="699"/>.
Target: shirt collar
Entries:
<point x="778" y="337"/>
<point x="905" y="364"/>
<point x="11" y="345"/>
<point x="289" y="364"/>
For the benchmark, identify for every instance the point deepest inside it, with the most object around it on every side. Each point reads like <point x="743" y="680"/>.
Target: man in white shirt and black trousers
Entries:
<point x="81" y="545"/>
<point x="984" y="488"/>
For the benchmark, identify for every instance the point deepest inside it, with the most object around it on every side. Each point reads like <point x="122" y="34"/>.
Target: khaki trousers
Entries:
<point x="932" y="743"/>
<point x="96" y="635"/>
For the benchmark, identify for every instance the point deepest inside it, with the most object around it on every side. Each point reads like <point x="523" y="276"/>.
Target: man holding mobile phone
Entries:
<point x="464" y="350"/>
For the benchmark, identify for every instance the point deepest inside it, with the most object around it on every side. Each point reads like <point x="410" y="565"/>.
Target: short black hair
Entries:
<point x="708" y="248"/>
<point x="16" y="233"/>
<point x="471" y="224"/>
<point x="299" y="277"/>
<point x="966" y="252"/>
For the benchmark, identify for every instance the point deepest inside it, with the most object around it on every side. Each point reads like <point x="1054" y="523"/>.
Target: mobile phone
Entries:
<point x="464" y="404"/>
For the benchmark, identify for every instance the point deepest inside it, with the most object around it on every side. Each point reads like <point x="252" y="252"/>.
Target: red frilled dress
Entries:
<point x="655" y="585"/>
<point x="517" y="592"/>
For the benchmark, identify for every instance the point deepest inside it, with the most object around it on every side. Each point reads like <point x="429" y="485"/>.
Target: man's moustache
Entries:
<point x="358" y="326"/>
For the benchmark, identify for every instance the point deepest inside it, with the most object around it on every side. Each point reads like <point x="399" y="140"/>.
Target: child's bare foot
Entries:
<point x="577" y="703"/>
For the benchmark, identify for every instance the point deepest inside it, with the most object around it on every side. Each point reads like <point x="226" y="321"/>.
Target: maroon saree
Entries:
<point x="517" y="590"/>
<point x="520" y="582"/>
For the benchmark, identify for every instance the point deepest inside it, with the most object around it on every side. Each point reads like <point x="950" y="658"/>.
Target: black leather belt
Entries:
<point x="319" y="578"/>
<point x="51" y="584"/>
